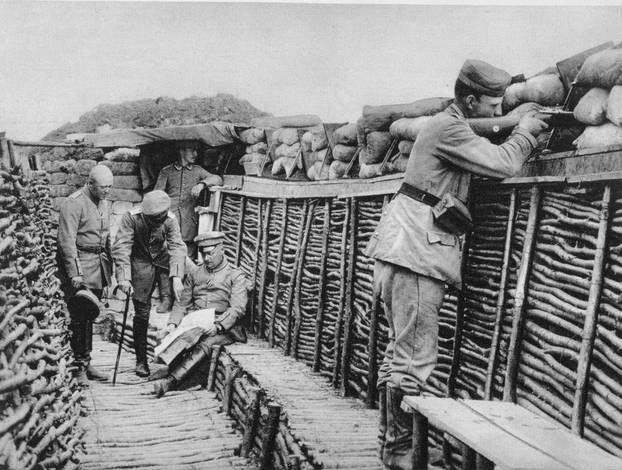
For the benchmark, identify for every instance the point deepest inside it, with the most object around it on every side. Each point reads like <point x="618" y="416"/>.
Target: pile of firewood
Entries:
<point x="39" y="398"/>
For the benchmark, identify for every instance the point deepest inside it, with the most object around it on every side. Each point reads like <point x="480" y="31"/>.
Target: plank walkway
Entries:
<point x="127" y="427"/>
<point x="339" y="433"/>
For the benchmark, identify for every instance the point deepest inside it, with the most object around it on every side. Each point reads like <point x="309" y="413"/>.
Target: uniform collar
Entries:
<point x="88" y="194"/>
<point x="178" y="166"/>
<point x="455" y="110"/>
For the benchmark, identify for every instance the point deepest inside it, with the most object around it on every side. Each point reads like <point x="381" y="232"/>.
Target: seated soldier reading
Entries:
<point x="213" y="283"/>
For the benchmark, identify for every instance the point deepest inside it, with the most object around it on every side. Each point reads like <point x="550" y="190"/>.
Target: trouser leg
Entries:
<point x="77" y="338"/>
<point x="139" y="330"/>
<point x="165" y="290"/>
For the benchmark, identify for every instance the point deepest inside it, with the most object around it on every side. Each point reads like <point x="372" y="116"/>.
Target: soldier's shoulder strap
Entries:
<point x="76" y="194"/>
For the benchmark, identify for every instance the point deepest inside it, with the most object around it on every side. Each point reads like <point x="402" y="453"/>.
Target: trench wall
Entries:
<point x="538" y="320"/>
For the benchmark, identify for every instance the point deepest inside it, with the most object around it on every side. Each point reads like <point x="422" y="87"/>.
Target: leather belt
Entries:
<point x="96" y="249"/>
<point x="418" y="194"/>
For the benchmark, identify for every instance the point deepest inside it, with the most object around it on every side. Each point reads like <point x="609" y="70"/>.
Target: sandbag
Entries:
<point x="284" y="150"/>
<point x="252" y="158"/>
<point x="56" y="166"/>
<point x="127" y="182"/>
<point x="547" y="90"/>
<point x="369" y="171"/>
<point x="603" y="69"/>
<point x="285" y="135"/>
<point x="61" y="190"/>
<point x="614" y="105"/>
<point x="84" y="167"/>
<point x="57" y="178"/>
<point x="283" y="164"/>
<point x="380" y="117"/>
<point x="319" y="141"/>
<point x="130" y="195"/>
<point x="377" y="145"/>
<point x="122" y="168"/>
<point x="252" y="136"/>
<point x="318" y="171"/>
<point x="344" y="153"/>
<point x="599" y="136"/>
<point x="306" y="140"/>
<point x="405" y="146"/>
<point x="274" y="122"/>
<point x="259" y="147"/>
<point x="345" y="135"/>
<point x="408" y="128"/>
<point x="399" y="164"/>
<point x="592" y="108"/>
<point x="121" y="207"/>
<point x="75" y="179"/>
<point x="123" y="155"/>
<point x="337" y="169"/>
<point x="320" y="155"/>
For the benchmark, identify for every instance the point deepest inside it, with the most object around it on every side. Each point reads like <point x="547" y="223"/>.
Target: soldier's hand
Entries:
<point x="77" y="282"/>
<point x="532" y="124"/>
<point x="525" y="108"/>
<point x="126" y="287"/>
<point x="196" y="190"/>
<point x="178" y="287"/>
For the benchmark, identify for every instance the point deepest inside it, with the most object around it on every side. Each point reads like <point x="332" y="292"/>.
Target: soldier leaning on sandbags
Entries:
<point x="84" y="262"/>
<point x="148" y="245"/>
<point x="417" y="245"/>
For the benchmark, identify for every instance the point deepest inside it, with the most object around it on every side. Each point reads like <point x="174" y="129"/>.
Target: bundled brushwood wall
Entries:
<point x="537" y="320"/>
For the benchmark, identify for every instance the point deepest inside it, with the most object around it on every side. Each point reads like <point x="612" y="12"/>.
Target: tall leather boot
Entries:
<point x="76" y="341"/>
<point x="196" y="356"/>
<point x="139" y="329"/>
<point x="382" y="423"/>
<point x="91" y="372"/>
<point x="398" y="437"/>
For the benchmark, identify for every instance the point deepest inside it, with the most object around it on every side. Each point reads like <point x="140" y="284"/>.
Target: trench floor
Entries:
<point x="127" y="427"/>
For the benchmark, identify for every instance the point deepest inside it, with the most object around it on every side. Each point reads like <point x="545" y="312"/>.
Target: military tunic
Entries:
<point x="83" y="241"/>
<point x="140" y="251"/>
<point x="177" y="181"/>
<point x="222" y="288"/>
<point x="414" y="256"/>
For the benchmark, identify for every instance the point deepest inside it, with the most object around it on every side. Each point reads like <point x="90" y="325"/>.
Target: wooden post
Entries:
<point x="342" y="297"/>
<point x="291" y="288"/>
<point x="267" y="444"/>
<point x="319" y="314"/>
<point x="218" y="208"/>
<point x="299" y="273"/>
<point x="252" y="421"/>
<point x="496" y="334"/>
<point x="211" y="381"/>
<point x="231" y="373"/>
<point x="238" y="250"/>
<point x="468" y="457"/>
<point x="293" y="462"/>
<point x="482" y="463"/>
<point x="262" y="273"/>
<point x="254" y="267"/>
<point x="372" y="370"/>
<point x="420" y="441"/>
<point x="349" y="313"/>
<point x="591" y="316"/>
<point x="277" y="274"/>
<point x="509" y="389"/>
<point x="456" y="350"/>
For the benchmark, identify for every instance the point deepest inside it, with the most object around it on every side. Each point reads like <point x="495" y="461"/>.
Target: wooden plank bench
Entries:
<point x="502" y="435"/>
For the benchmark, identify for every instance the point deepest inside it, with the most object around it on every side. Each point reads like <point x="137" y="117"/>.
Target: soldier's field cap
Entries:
<point x="156" y="202"/>
<point x="211" y="238"/>
<point x="484" y="78"/>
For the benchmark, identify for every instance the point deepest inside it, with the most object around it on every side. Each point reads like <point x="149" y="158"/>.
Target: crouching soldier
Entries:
<point x="214" y="283"/>
<point x="148" y="244"/>
<point x="84" y="264"/>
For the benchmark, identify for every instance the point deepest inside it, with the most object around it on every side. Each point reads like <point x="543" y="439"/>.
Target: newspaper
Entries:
<point x="189" y="331"/>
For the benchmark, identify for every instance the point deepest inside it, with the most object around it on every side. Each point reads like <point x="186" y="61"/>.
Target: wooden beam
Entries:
<point x="509" y="390"/>
<point x="277" y="274"/>
<point x="591" y="315"/>
<point x="43" y="143"/>
<point x="496" y="333"/>
<point x="319" y="314"/>
<point x="238" y="250"/>
<point x="263" y="271"/>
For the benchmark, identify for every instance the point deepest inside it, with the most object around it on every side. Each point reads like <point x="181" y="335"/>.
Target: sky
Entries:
<point x="61" y="59"/>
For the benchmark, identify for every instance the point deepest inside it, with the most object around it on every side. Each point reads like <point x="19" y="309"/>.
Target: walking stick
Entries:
<point x="127" y="308"/>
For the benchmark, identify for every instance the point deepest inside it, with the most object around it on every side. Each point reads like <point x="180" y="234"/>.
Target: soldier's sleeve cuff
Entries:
<point x="125" y="273"/>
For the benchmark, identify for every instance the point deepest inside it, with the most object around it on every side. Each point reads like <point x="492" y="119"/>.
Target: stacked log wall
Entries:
<point x="517" y="329"/>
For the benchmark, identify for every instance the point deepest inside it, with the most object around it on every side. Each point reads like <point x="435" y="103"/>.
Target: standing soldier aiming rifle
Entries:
<point x="148" y="245"/>
<point x="84" y="263"/>
<point x="417" y="245"/>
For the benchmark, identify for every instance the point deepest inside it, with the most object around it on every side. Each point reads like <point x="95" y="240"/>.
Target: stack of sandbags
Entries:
<point x="318" y="165"/>
<point x="287" y="147"/>
<point x="546" y="89"/>
<point x="127" y="186"/>
<point x="601" y="107"/>
<point x="345" y="145"/>
<point x="373" y="129"/>
<point x="256" y="148"/>
<point x="405" y="130"/>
